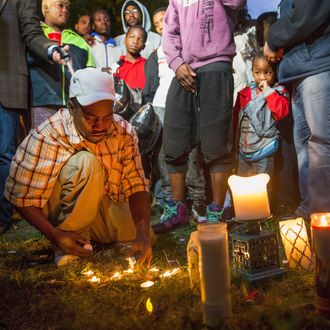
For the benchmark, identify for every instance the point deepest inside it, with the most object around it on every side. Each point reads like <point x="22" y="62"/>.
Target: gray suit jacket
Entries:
<point x="20" y="27"/>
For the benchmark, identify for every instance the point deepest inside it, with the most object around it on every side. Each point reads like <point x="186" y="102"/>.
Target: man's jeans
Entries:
<point x="9" y="127"/>
<point x="311" y="113"/>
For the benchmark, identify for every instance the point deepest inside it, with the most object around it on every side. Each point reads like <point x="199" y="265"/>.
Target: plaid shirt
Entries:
<point x="42" y="154"/>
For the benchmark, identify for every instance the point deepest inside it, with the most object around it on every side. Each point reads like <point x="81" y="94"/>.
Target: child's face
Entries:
<point x="135" y="41"/>
<point x="263" y="73"/>
<point x="102" y="24"/>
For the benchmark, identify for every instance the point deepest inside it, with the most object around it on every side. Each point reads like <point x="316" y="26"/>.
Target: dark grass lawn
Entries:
<point x="34" y="294"/>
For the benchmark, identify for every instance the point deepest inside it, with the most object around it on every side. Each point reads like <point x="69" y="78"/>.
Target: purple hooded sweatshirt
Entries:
<point x="199" y="32"/>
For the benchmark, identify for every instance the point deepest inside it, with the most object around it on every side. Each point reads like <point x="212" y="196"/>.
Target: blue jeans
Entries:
<point x="9" y="126"/>
<point x="311" y="114"/>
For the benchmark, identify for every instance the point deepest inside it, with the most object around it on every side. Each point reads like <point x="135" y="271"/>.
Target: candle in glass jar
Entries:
<point x="295" y="241"/>
<point x="214" y="272"/>
<point x="250" y="196"/>
<point x="320" y="223"/>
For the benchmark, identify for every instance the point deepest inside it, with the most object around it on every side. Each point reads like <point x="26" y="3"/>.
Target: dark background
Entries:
<point x="112" y="6"/>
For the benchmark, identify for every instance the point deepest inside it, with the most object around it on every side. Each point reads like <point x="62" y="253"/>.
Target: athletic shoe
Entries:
<point x="175" y="215"/>
<point x="213" y="213"/>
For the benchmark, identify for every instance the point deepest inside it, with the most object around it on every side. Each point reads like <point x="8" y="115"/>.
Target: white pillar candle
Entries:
<point x="192" y="256"/>
<point x="250" y="196"/>
<point x="214" y="272"/>
<point x="320" y="223"/>
<point x="295" y="241"/>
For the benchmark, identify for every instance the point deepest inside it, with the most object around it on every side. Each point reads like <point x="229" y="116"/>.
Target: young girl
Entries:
<point x="258" y="108"/>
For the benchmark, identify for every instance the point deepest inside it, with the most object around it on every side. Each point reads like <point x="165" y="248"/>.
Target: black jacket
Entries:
<point x="303" y="30"/>
<point x="20" y="27"/>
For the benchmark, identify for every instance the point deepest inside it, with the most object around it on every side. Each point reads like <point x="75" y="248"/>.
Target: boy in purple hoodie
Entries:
<point x="199" y="47"/>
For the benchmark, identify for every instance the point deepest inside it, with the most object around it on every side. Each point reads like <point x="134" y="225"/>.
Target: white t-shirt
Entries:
<point x="165" y="75"/>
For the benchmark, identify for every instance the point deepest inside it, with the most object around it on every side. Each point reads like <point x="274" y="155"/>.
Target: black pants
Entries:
<point x="203" y="118"/>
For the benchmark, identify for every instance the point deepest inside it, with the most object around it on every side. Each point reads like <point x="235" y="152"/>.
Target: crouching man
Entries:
<point x="78" y="176"/>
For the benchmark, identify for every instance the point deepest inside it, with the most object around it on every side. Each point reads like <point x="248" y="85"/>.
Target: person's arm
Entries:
<point x="305" y="18"/>
<point x="278" y="102"/>
<point x="234" y="4"/>
<point x="172" y="46"/>
<point x="140" y="209"/>
<point x="68" y="242"/>
<point x="32" y="34"/>
<point x="171" y="39"/>
<point x="136" y="189"/>
<point x="152" y="79"/>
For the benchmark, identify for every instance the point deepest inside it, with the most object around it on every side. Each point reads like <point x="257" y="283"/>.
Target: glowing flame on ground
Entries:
<point x="116" y="275"/>
<point x="131" y="262"/>
<point x="149" y="306"/>
<point x="88" y="273"/>
<point x="154" y="270"/>
<point x="147" y="284"/>
<point x="170" y="273"/>
<point x="129" y="271"/>
<point x="94" y="279"/>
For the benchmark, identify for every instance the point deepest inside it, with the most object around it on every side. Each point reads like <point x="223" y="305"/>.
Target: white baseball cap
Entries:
<point x="91" y="85"/>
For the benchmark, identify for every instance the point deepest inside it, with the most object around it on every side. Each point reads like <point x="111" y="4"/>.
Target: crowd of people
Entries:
<point x="219" y="94"/>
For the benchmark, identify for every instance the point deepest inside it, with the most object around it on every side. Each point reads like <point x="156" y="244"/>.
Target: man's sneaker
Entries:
<point x="213" y="213"/>
<point x="175" y="215"/>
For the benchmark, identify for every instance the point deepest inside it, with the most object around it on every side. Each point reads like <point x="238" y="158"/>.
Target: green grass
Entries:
<point x="34" y="294"/>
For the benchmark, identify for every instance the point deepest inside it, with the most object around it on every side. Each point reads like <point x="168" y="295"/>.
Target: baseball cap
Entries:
<point x="91" y="85"/>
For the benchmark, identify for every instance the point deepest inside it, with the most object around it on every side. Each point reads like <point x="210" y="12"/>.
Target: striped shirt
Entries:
<point x="41" y="156"/>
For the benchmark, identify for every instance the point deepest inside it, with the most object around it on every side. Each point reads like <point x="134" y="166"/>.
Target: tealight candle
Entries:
<point x="250" y="196"/>
<point x="320" y="223"/>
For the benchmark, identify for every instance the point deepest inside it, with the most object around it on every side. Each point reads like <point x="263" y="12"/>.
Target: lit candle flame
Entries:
<point x="129" y="271"/>
<point x="323" y="220"/>
<point x="149" y="306"/>
<point x="88" y="273"/>
<point x="116" y="275"/>
<point x="154" y="270"/>
<point x="170" y="273"/>
<point x="147" y="284"/>
<point x="94" y="279"/>
<point x="131" y="262"/>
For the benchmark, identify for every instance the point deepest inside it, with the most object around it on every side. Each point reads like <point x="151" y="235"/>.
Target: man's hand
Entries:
<point x="271" y="55"/>
<point x="141" y="250"/>
<point x="71" y="243"/>
<point x="186" y="77"/>
<point x="56" y="57"/>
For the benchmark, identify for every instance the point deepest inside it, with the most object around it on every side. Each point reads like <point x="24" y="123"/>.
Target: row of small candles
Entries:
<point x="118" y="275"/>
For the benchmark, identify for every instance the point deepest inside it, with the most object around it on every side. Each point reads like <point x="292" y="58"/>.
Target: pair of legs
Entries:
<point x="9" y="129"/>
<point x="78" y="203"/>
<point x="311" y="114"/>
<point x="205" y="119"/>
<point x="194" y="180"/>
